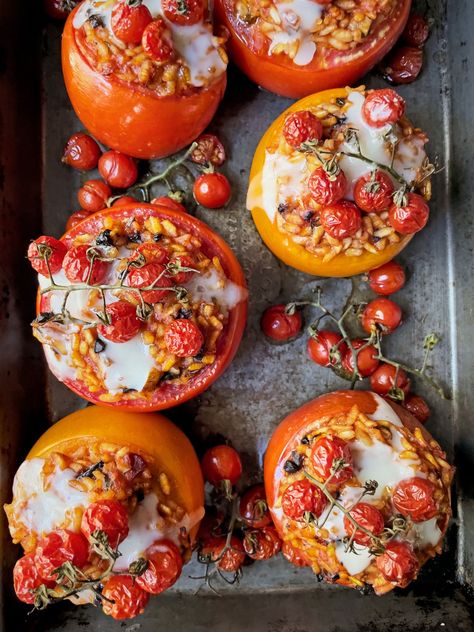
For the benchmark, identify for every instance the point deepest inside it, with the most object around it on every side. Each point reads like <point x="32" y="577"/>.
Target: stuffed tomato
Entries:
<point x="340" y="181"/>
<point x="358" y="490"/>
<point x="140" y="307"/>
<point x="106" y="507"/>
<point x="297" y="47"/>
<point x="144" y="78"/>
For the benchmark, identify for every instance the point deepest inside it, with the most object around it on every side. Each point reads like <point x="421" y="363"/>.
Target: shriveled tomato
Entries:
<point x="416" y="31"/>
<point x="157" y="41"/>
<point x="181" y="261"/>
<point x="123" y="200"/>
<point x="212" y="190"/>
<point x="366" y="516"/>
<point x="152" y="253"/>
<point x="209" y="151"/>
<point x="129" y="20"/>
<point x="341" y="220"/>
<point x="303" y="497"/>
<point x="331" y="459"/>
<point x="262" y="544"/>
<point x="124" y="599"/>
<point x="324" y="344"/>
<point x="183" y="338"/>
<point x="373" y="192"/>
<point x="164" y="567"/>
<point x="108" y="516"/>
<point x="93" y="195"/>
<point x="414" y="497"/>
<point x="411" y="215"/>
<point x="228" y="559"/>
<point x="221" y="463"/>
<point x="253" y="508"/>
<point x="293" y="555"/>
<point x="46" y="252"/>
<point x="170" y="203"/>
<point x="280" y="326"/>
<point x="117" y="169"/>
<point x="150" y="275"/>
<point x="383" y="106"/>
<point x="123" y="322"/>
<point x="381" y="313"/>
<point x="402" y="65"/>
<point x="367" y="361"/>
<point x="26" y="579"/>
<point x="82" y="264"/>
<point x="382" y="381"/>
<point x="57" y="548"/>
<point x="183" y="12"/>
<point x="81" y="152"/>
<point x="76" y="217"/>
<point x="327" y="186"/>
<point x="418" y="408"/>
<point x="398" y="563"/>
<point x="387" y="279"/>
<point x="301" y="127"/>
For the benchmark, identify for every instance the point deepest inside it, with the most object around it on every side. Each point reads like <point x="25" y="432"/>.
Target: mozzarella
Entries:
<point x="282" y="179"/>
<point x="126" y="364"/>
<point x="354" y="561"/>
<point x="298" y="19"/>
<point x="212" y="286"/>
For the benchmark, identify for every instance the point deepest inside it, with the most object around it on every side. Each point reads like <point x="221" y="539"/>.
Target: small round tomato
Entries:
<point x="253" y="508"/>
<point x="170" y="203"/>
<point x="81" y="152"/>
<point x="152" y="253"/>
<point x="76" y="217"/>
<point x="108" y="516"/>
<point x="81" y="265"/>
<point x="57" y="548"/>
<point x="182" y="261"/>
<point x="416" y="31"/>
<point x="414" y="497"/>
<point x="164" y="567"/>
<point x="123" y="322"/>
<point x="117" y="169"/>
<point x="124" y="599"/>
<point x="262" y="544"/>
<point x="341" y="220"/>
<point x="331" y="458"/>
<point x="26" y="579"/>
<point x="402" y="65"/>
<point x="212" y="190"/>
<point x="367" y="361"/>
<point x="129" y="21"/>
<point x="46" y="251"/>
<point x="373" y="192"/>
<point x="382" y="107"/>
<point x="183" y="338"/>
<point x="230" y="559"/>
<point x="157" y="41"/>
<point x="383" y="314"/>
<point x="123" y="200"/>
<point x="303" y="497"/>
<point x="398" y="563"/>
<point x="279" y="326"/>
<point x="93" y="195"/>
<point x="382" y="381"/>
<point x="151" y="274"/>
<point x="183" y="12"/>
<point x="301" y="127"/>
<point x="418" y="408"/>
<point x="323" y="344"/>
<point x="327" y="187"/>
<point x="293" y="555"/>
<point x="411" y="216"/>
<point x="387" y="279"/>
<point x="221" y="463"/>
<point x="209" y="151"/>
<point x="366" y="516"/>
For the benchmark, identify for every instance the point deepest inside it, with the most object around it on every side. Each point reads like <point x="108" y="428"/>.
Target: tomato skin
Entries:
<point x="129" y="22"/>
<point x="76" y="266"/>
<point x="58" y="252"/>
<point x="417" y="406"/>
<point x="185" y="261"/>
<point x="373" y="192"/>
<point x="319" y="347"/>
<point x="152" y="252"/>
<point x="124" y="599"/>
<point x="93" y="195"/>
<point x="302" y="496"/>
<point x="253" y="508"/>
<point x="326" y="189"/>
<point x="76" y="218"/>
<point x="416" y="31"/>
<point x="414" y="497"/>
<point x="341" y="219"/>
<point x="398" y="563"/>
<point x="387" y="279"/>
<point x="367" y="361"/>
<point x="212" y="190"/>
<point x="221" y="463"/>
<point x="209" y="151"/>
<point x="410" y="218"/>
<point x="81" y="152"/>
<point x="403" y="65"/>
<point x="108" y="516"/>
<point x="381" y="313"/>
<point x="293" y="555"/>
<point x="325" y="451"/>
<point x="148" y="275"/>
<point x="279" y="326"/>
<point x="231" y="560"/>
<point x="193" y="12"/>
<point x="157" y="41"/>
<point x="262" y="544"/>
<point x="26" y="578"/>
<point x="123" y="200"/>
<point x="58" y="547"/>
<point x="183" y="338"/>
<point x="301" y="127"/>
<point x="124" y="323"/>
<point x="164" y="567"/>
<point x="117" y="169"/>
<point x="383" y="106"/>
<point x="366" y="516"/>
<point x="382" y="381"/>
<point x="167" y="202"/>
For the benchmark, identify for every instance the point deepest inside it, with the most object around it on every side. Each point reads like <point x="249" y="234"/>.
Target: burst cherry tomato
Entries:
<point x="93" y="195"/>
<point x="301" y="127"/>
<point x="164" y="567"/>
<point x="367" y="361"/>
<point x="341" y="220"/>
<point x="382" y="107"/>
<point x="183" y="338"/>
<point x="153" y="253"/>
<point x="414" y="497"/>
<point x="184" y="261"/>
<point x="301" y="497"/>
<point x="49" y="248"/>
<point x="151" y="274"/>
<point x="170" y="203"/>
<point x="322" y="343"/>
<point x="398" y="563"/>
<point x="123" y="200"/>
<point x="382" y="381"/>
<point x="279" y="326"/>
<point x="368" y="517"/>
<point x="26" y="579"/>
<point x="329" y="454"/>
<point x="221" y="463"/>
<point x="212" y="190"/>
<point x="387" y="279"/>
<point x="117" y="169"/>
<point x="402" y="65"/>
<point x="209" y="151"/>
<point x="76" y="217"/>
<point x="58" y="547"/>
<point x="253" y="508"/>
<point x="157" y="41"/>
<point x="129" y="21"/>
<point x="411" y="217"/>
<point x="108" y="516"/>
<point x="382" y="313"/>
<point x="81" y="152"/>
<point x="416" y="31"/>
<point x="418" y="408"/>
<point x="78" y="262"/>
<point x="293" y="555"/>
<point x="327" y="188"/>
<point x="124" y="323"/>
<point x="183" y="12"/>
<point x="231" y="560"/>
<point x="124" y="599"/>
<point x="373" y="192"/>
<point x="262" y="544"/>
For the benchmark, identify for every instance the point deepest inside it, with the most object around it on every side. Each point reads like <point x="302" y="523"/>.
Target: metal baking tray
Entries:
<point x="264" y="382"/>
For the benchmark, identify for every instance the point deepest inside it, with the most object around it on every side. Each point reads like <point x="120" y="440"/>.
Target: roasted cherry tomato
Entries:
<point x="151" y="274"/>
<point x="303" y="497"/>
<point x="170" y="203"/>
<point x="183" y="338"/>
<point x="261" y="544"/>
<point x="26" y="579"/>
<point x="59" y="9"/>
<point x="326" y="187"/>
<point x="387" y="279"/>
<point x="366" y="516"/>
<point x="164" y="567"/>
<point x="253" y="508"/>
<point x="221" y="463"/>
<point x="183" y="12"/>
<point x="402" y="65"/>
<point x="341" y="219"/>
<point x="129" y="20"/>
<point x="81" y="152"/>
<point x="331" y="459"/>
<point x="209" y="151"/>
<point x="57" y="548"/>
<point x="322" y="344"/>
<point x="124" y="599"/>
<point x="279" y="326"/>
<point x="117" y="169"/>
<point x="157" y="41"/>
<point x="76" y="217"/>
<point x="382" y="107"/>
<point x="367" y="361"/>
<point x="108" y="516"/>
<point x="418" y="408"/>
<point x="373" y="192"/>
<point x="382" y="381"/>
<point x="123" y="200"/>
<point x="153" y="253"/>
<point x="411" y="216"/>
<point x="293" y="555"/>
<point x="381" y="313"/>
<point x="93" y="195"/>
<point x="212" y="190"/>
<point x="78" y="262"/>
<point x="48" y="249"/>
<point x="123" y="322"/>
<point x="416" y="31"/>
<point x="398" y="563"/>
<point x="301" y="127"/>
<point x="183" y="261"/>
<point x="229" y="560"/>
<point x="414" y="497"/>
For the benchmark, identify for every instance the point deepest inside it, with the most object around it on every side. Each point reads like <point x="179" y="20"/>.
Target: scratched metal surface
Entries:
<point x="264" y="382"/>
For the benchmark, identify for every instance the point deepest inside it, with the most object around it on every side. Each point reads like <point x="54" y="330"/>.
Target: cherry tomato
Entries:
<point x="373" y="192"/>
<point x="184" y="261"/>
<point x="402" y="65"/>
<point x="183" y="12"/>
<point x="418" y="408"/>
<point x="326" y="188"/>
<point x="209" y="151"/>
<point x="76" y="217"/>
<point x="117" y="169"/>
<point x="253" y="508"/>
<point x="326" y="454"/>
<point x="164" y="567"/>
<point x="367" y="361"/>
<point x="129" y="21"/>
<point x="368" y="517"/>
<point x="108" y="516"/>
<point x="49" y="248"/>
<point x="183" y="338"/>
<point x="59" y="9"/>
<point x="81" y="152"/>
<point x="279" y="326"/>
<point x="93" y="195"/>
<point x="124" y="323"/>
<point x="301" y="127"/>
<point x="231" y="560"/>
<point x="58" y="547"/>
<point x="383" y="106"/>
<point x="26" y="579"/>
<point x="170" y="203"/>
<point x="153" y="253"/>
<point x="78" y="262"/>
<point x="341" y="220"/>
<point x="123" y="200"/>
<point x="411" y="217"/>
<point x="151" y="274"/>
<point x="382" y="381"/>
<point x="398" y="563"/>
<point x="124" y="599"/>
<point x="221" y="463"/>
<point x="382" y="313"/>
<point x="414" y="497"/>
<point x="262" y="544"/>
<point x="322" y="343"/>
<point x="212" y="190"/>
<point x="387" y="279"/>
<point x="157" y="41"/>
<point x="301" y="497"/>
<point x="416" y="31"/>
<point x="293" y="555"/>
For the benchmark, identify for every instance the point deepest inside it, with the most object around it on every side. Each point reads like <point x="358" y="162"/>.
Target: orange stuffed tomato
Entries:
<point x="358" y="490"/>
<point x="140" y="307"/>
<point x="106" y="507"/>
<point x="340" y="182"/>
<point x="144" y="78"/>
<point x="297" y="47"/>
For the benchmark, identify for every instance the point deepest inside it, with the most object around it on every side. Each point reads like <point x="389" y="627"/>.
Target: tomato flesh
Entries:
<point x="183" y="338"/>
<point x="108" y="516"/>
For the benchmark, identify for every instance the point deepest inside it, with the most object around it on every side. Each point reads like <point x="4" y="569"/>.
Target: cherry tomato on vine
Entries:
<point x="93" y="195"/>
<point x="330" y="454"/>
<point x="184" y="261"/>
<point x="303" y="497"/>
<point x="368" y="517"/>
<point x="322" y="344"/>
<point x="402" y="65"/>
<point x="164" y="567"/>
<point x="170" y="203"/>
<point x="183" y="338"/>
<point x="279" y="326"/>
<point x="411" y="217"/>
<point x="341" y="219"/>
<point x="229" y="560"/>
<point x="123" y="200"/>
<point x="398" y="563"/>
<point x="381" y="313"/>
<point x="151" y="274"/>
<point x="49" y="248"/>
<point x="212" y="190"/>
<point x="262" y="544"/>
<point x="387" y="279"/>
<point x="129" y="21"/>
<point x="183" y="13"/>
<point x="81" y="152"/>
<point x="416" y="31"/>
<point x="367" y="361"/>
<point x="58" y="547"/>
<point x="253" y="507"/>
<point x="293" y="555"/>
<point x="124" y="323"/>
<point x="382" y="381"/>
<point x="417" y="406"/>
<point x="383" y="106"/>
<point x="124" y="599"/>
<point x="221" y="463"/>
<point x="153" y="253"/>
<point x="301" y="127"/>
<point x="327" y="188"/>
<point x="78" y="262"/>
<point x="26" y="579"/>
<point x="373" y="192"/>
<point x="414" y="497"/>
<point x="76" y="217"/>
<point x="108" y="516"/>
<point x="117" y="169"/>
<point x="157" y="41"/>
<point x="209" y="151"/>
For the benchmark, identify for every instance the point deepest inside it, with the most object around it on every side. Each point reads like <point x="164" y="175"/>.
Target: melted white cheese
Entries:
<point x="126" y="364"/>
<point x="282" y="179"/>
<point x="424" y="534"/>
<point x="212" y="287"/>
<point x="77" y="302"/>
<point x="298" y="20"/>
<point x="354" y="562"/>
<point x="384" y="412"/>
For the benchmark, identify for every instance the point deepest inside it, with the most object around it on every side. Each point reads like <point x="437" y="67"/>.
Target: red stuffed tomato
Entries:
<point x="298" y="47"/>
<point x="142" y="84"/>
<point x="159" y="324"/>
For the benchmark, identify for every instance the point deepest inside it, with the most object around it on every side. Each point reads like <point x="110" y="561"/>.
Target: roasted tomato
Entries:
<point x="326" y="187"/>
<point x="418" y="407"/>
<point x="208" y="151"/>
<point x="301" y="127"/>
<point x="414" y="497"/>
<point x="57" y="548"/>
<point x="76" y="218"/>
<point x="168" y="202"/>
<point x="387" y="279"/>
<point x="164" y="567"/>
<point x="229" y="559"/>
<point x="108" y="516"/>
<point x="81" y="152"/>
<point x="411" y="215"/>
<point x="46" y="248"/>
<point x="117" y="169"/>
<point x="129" y="21"/>
<point x="183" y="338"/>
<point x="367" y="361"/>
<point x="280" y="326"/>
<point x="381" y="313"/>
<point x="331" y="459"/>
<point x="382" y="380"/>
<point x="122" y="323"/>
<point x="302" y="497"/>
<point x="398" y="563"/>
<point x="253" y="508"/>
<point x="26" y="579"/>
<point x="382" y="107"/>
<point x="212" y="190"/>
<point x="93" y="195"/>
<point x="368" y="518"/>
<point x="324" y="347"/>
<point x="221" y="463"/>
<point x="123" y="598"/>
<point x="261" y="544"/>
<point x="373" y="192"/>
